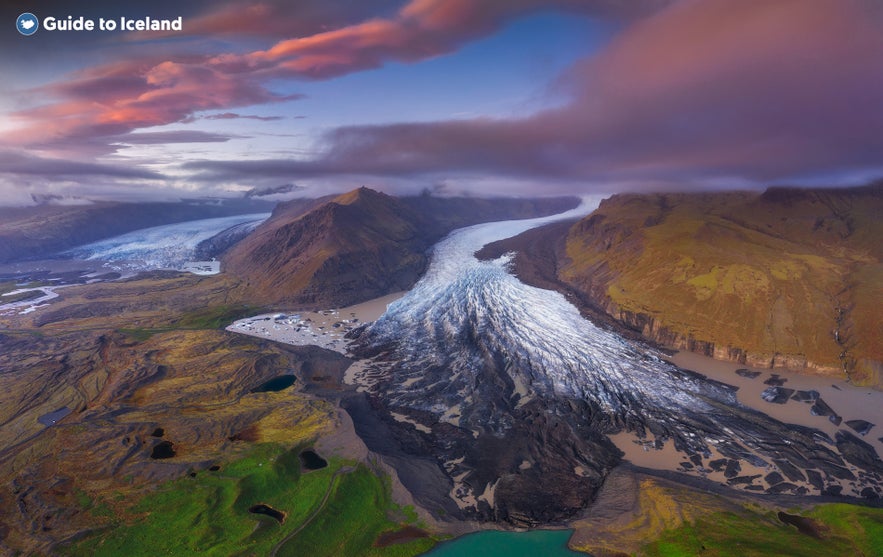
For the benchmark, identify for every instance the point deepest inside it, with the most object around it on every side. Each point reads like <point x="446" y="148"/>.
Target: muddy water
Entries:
<point x="848" y="401"/>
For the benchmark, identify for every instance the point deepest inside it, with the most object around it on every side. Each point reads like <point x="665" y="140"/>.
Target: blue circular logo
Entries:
<point x="27" y="24"/>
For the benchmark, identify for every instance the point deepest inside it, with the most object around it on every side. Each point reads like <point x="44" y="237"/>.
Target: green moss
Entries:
<point x="83" y="499"/>
<point x="11" y="285"/>
<point x="852" y="530"/>
<point x="356" y="514"/>
<point x="214" y="317"/>
<point x="209" y="514"/>
<point x="141" y="335"/>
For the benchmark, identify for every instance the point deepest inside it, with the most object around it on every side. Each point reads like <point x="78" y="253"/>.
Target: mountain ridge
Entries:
<point x="784" y="278"/>
<point x="339" y="250"/>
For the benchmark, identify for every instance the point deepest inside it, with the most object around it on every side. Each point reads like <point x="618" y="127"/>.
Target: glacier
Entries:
<point x="471" y="349"/>
<point x="164" y="247"/>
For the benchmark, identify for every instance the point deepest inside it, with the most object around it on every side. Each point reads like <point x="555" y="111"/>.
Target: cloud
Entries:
<point x="712" y="91"/>
<point x="100" y="104"/>
<point x="420" y="30"/>
<point x="177" y="136"/>
<point x="272" y="191"/>
<point x="234" y="116"/>
<point x="26" y="179"/>
<point x="277" y="19"/>
<point x="113" y="99"/>
<point x="23" y="164"/>
<point x="689" y="92"/>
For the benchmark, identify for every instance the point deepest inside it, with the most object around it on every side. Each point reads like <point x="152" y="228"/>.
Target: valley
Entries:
<point x="406" y="278"/>
<point x="471" y="400"/>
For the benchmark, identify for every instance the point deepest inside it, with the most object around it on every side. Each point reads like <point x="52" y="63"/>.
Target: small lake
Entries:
<point x="493" y="543"/>
<point x="275" y="384"/>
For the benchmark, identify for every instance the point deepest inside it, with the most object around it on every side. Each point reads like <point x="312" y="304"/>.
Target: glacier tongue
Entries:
<point x="465" y="310"/>
<point x="473" y="350"/>
<point x="168" y="246"/>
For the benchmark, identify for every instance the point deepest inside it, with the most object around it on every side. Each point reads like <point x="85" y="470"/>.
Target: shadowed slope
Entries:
<point x="359" y="245"/>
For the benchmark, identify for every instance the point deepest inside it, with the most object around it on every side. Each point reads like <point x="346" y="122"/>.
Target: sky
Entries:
<point x="475" y="97"/>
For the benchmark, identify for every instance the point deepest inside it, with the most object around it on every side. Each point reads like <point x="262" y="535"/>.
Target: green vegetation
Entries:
<point x="22" y="296"/>
<point x="141" y="335"/>
<point x="212" y="317"/>
<point x="355" y="515"/>
<point x="215" y="317"/>
<point x="338" y="510"/>
<point x="846" y="530"/>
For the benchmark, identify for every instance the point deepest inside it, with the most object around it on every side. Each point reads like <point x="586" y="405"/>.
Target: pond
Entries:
<point x="275" y="384"/>
<point x="493" y="543"/>
<point x="312" y="461"/>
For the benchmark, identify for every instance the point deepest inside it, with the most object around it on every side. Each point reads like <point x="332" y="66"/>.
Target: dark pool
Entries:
<point x="311" y="460"/>
<point x="52" y="417"/>
<point x="163" y="449"/>
<point x="275" y="384"/>
<point x="267" y="510"/>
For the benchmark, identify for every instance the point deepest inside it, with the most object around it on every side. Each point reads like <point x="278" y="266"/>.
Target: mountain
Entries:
<point x="359" y="245"/>
<point x="788" y="277"/>
<point x="44" y="230"/>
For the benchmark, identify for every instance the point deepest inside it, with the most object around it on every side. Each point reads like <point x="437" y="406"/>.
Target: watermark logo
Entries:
<point x="27" y="24"/>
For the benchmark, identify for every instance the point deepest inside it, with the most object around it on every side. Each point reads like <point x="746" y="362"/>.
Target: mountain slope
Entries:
<point x="789" y="277"/>
<point x="359" y="245"/>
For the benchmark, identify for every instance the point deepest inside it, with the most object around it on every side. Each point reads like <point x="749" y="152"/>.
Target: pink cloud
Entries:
<point x="710" y="89"/>
<point x="111" y="100"/>
<point x="694" y="89"/>
<point x="120" y="97"/>
<point x="421" y="29"/>
<point x="278" y="18"/>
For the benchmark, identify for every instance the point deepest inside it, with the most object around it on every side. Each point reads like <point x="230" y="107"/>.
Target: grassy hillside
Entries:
<point x="654" y="517"/>
<point x="335" y="511"/>
<point x="135" y="365"/>
<point x="788" y="277"/>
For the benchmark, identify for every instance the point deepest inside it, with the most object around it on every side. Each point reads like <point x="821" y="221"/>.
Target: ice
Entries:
<point x="162" y="247"/>
<point x="549" y="347"/>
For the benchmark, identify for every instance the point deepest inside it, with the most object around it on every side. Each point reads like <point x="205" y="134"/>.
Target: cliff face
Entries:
<point x="789" y="277"/>
<point x="359" y="245"/>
